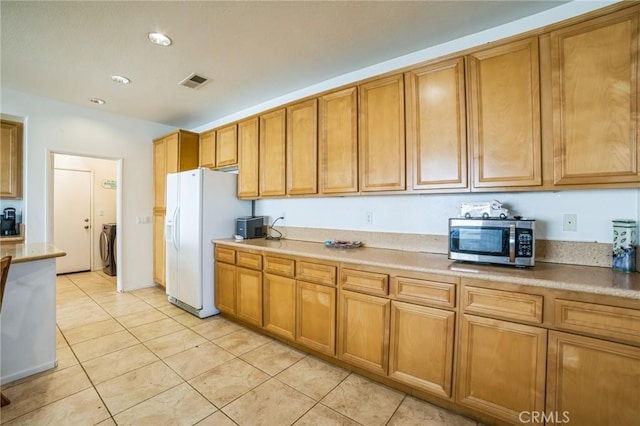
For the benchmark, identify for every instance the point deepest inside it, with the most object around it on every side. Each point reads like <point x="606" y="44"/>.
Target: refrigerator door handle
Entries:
<point x="176" y="226"/>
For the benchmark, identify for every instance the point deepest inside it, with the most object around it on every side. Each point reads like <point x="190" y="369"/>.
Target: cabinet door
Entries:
<point x="11" y="160"/>
<point x="159" y="175"/>
<point x="501" y="367"/>
<point x="208" y="149"/>
<point x="338" y="147"/>
<point x="302" y="148"/>
<point x="225" y="285"/>
<point x="504" y="85"/>
<point x="316" y="317"/>
<point x="272" y="154"/>
<point x="172" y="146"/>
<point x="421" y="351"/>
<point x="363" y="331"/>
<point x="280" y="305"/>
<point x="158" y="249"/>
<point x="382" y="141"/>
<point x="593" y="382"/>
<point x="436" y="125"/>
<point x="596" y="99"/>
<point x="248" y="175"/>
<point x="227" y="146"/>
<point x="249" y="296"/>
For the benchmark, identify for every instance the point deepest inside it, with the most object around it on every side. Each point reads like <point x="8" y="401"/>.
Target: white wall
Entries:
<point x="52" y="126"/>
<point x="103" y="208"/>
<point x="427" y="214"/>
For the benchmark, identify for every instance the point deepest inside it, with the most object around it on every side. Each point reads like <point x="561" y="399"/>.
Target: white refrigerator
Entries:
<point x="201" y="205"/>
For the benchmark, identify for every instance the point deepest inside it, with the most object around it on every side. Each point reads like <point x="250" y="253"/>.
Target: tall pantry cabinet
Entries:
<point x="175" y="152"/>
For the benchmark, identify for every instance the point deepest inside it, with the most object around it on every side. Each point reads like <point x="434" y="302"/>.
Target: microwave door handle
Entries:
<point x="512" y="243"/>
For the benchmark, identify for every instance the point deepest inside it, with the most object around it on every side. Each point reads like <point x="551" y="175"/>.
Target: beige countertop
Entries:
<point x="21" y="252"/>
<point x="589" y="279"/>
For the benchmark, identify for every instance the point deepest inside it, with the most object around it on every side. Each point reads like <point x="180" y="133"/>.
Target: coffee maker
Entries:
<point x="8" y="222"/>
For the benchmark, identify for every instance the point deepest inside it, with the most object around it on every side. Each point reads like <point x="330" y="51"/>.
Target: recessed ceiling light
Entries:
<point x="159" y="38"/>
<point x="97" y="101"/>
<point x="120" y="79"/>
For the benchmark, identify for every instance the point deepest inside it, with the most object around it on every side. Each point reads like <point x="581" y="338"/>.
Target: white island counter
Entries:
<point x="28" y="317"/>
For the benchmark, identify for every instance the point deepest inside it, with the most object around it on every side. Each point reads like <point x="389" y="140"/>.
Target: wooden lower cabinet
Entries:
<point x="421" y="349"/>
<point x="501" y="367"/>
<point x="249" y="296"/>
<point x="280" y="305"/>
<point x="363" y="331"/>
<point x="316" y="317"/>
<point x="592" y="382"/>
<point x="158" y="249"/>
<point x="225" y="288"/>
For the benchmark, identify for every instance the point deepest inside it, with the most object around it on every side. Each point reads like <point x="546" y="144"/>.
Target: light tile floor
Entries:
<point x="135" y="359"/>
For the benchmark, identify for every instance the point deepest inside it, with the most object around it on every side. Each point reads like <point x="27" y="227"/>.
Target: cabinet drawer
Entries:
<point x="226" y="255"/>
<point x="365" y="282"/>
<point x="502" y="304"/>
<point x="424" y="291"/>
<point x="249" y="260"/>
<point x="607" y="321"/>
<point x="316" y="273"/>
<point x="280" y="266"/>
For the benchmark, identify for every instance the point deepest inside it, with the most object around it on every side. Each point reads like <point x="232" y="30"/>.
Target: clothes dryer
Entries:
<point x="108" y="248"/>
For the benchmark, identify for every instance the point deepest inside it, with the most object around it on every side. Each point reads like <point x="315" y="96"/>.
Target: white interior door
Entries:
<point x="72" y="219"/>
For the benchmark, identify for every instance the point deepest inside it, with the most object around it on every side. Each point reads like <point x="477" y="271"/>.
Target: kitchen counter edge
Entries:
<point x="21" y="252"/>
<point x="589" y="279"/>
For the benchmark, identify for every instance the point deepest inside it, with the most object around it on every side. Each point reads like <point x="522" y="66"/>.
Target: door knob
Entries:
<point x="86" y="227"/>
<point x="86" y="220"/>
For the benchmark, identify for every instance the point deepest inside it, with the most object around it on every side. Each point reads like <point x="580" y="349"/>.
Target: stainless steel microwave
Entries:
<point x="501" y="241"/>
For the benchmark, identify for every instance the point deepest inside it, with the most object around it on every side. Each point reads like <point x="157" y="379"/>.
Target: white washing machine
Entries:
<point x="108" y="248"/>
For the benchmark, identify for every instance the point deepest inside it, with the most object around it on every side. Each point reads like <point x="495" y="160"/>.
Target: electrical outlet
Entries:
<point x="369" y="218"/>
<point x="570" y="222"/>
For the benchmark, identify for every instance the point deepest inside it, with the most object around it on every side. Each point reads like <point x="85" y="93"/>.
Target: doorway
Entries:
<point x="72" y="221"/>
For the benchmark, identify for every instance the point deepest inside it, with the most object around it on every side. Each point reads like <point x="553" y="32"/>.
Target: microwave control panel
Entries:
<point x="525" y="244"/>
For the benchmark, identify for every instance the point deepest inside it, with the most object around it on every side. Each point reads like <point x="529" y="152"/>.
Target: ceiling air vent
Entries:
<point x="194" y="81"/>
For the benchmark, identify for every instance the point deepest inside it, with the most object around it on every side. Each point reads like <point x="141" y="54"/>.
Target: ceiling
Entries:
<point x="251" y="51"/>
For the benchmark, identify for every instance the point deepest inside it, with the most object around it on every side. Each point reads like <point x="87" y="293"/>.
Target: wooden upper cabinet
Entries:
<point x="208" y="149"/>
<point x="159" y="174"/>
<point x="382" y="135"/>
<point x="11" y="160"/>
<point x="227" y="146"/>
<point x="248" y="168"/>
<point x="436" y="125"/>
<point x="595" y="100"/>
<point x="272" y="154"/>
<point x="175" y="152"/>
<point x="338" y="145"/>
<point x="302" y="148"/>
<point x="504" y="98"/>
